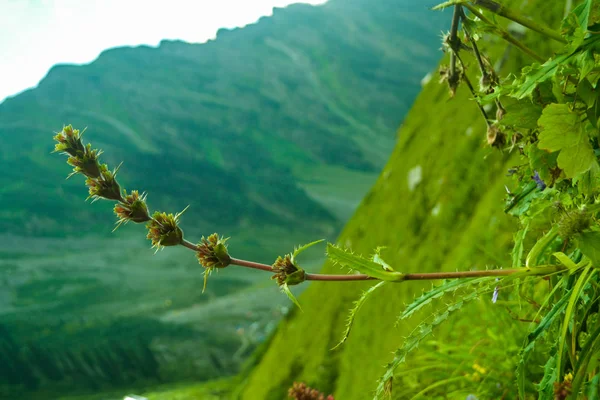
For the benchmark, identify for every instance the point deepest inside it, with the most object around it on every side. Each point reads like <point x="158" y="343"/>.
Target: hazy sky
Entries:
<point x="36" y="34"/>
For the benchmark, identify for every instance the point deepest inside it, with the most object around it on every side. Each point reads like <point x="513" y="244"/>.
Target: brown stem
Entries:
<point x="507" y="13"/>
<point x="505" y="35"/>
<point x="189" y="245"/>
<point x="251" y="264"/>
<point x="453" y="76"/>
<point x="337" y="278"/>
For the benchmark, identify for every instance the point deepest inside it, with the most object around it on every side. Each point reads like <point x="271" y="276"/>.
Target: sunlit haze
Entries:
<point x="37" y="34"/>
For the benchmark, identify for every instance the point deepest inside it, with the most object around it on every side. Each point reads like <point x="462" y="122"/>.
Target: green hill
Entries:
<point x="244" y="128"/>
<point x="272" y="133"/>
<point x="436" y="206"/>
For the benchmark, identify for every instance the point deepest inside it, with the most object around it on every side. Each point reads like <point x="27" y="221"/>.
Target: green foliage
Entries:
<point x="562" y="130"/>
<point x="549" y="127"/>
<point x="354" y="310"/>
<point x="378" y="270"/>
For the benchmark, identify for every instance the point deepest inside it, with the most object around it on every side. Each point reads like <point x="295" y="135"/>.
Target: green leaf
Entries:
<point x="570" y="312"/>
<point x="285" y="289"/>
<point x="542" y="162"/>
<point x="586" y="92"/>
<point x="536" y="74"/>
<point x="539" y="331"/>
<point x="377" y="258"/>
<point x="354" y="310"/>
<point x="593" y="113"/>
<point x="437" y="292"/>
<point x="517" y="252"/>
<point x="562" y="130"/>
<point x="582" y="12"/>
<point x="361" y="264"/>
<point x="421" y="332"/>
<point x="522" y="114"/>
<point x="589" y="182"/>
<point x="565" y="260"/>
<point x="589" y="244"/>
<point x="519" y="203"/>
<point x="302" y="248"/>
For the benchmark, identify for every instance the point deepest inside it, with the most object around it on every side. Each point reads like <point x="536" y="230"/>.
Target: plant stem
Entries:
<point x="189" y="245"/>
<point x="454" y="45"/>
<point x="338" y="278"/>
<point x="505" y="35"/>
<point x="542" y="270"/>
<point x="251" y="264"/>
<point x="507" y="13"/>
<point x="473" y="92"/>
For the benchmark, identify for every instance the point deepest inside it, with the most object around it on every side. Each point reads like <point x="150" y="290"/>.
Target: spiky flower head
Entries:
<point x="163" y="230"/>
<point x="573" y="222"/>
<point x="287" y="272"/>
<point x="105" y="186"/>
<point x="212" y="252"/>
<point x="300" y="391"/>
<point x="69" y="141"/>
<point x="452" y="77"/>
<point x="132" y="208"/>
<point x="86" y="163"/>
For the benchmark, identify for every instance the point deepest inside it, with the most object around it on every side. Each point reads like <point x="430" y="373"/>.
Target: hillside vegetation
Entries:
<point x="437" y="206"/>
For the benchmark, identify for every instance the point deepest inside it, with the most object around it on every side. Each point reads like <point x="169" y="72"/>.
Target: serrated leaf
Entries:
<point x="302" y="248"/>
<point x="546" y="385"/>
<point x="354" y="310"/>
<point x="562" y="130"/>
<point x="437" y="292"/>
<point x="377" y="258"/>
<point x="589" y="244"/>
<point x="285" y="289"/>
<point x="522" y="114"/>
<point x="413" y="340"/>
<point x="539" y="331"/>
<point x="361" y="264"/>
<point x="536" y="74"/>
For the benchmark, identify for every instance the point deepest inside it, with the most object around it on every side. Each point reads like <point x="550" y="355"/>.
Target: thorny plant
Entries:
<point x="549" y="115"/>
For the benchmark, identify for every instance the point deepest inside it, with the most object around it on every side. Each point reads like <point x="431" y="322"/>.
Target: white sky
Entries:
<point x="37" y="34"/>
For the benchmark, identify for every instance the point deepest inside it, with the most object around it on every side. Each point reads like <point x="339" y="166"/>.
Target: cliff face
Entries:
<point x="436" y="206"/>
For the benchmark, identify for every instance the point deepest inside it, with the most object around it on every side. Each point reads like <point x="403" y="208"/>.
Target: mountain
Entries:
<point x="242" y="128"/>
<point x="437" y="206"/>
<point x="271" y="133"/>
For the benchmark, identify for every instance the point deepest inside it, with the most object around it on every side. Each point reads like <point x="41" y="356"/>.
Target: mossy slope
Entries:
<point x="452" y="219"/>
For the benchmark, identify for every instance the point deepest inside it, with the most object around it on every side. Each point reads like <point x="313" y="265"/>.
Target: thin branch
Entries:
<point x="338" y="278"/>
<point x="251" y="264"/>
<point x="453" y="76"/>
<point x="507" y="13"/>
<point x="505" y="35"/>
<point x="189" y="245"/>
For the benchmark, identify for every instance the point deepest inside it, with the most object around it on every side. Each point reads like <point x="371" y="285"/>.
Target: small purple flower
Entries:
<point x="540" y="183"/>
<point x="471" y="397"/>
